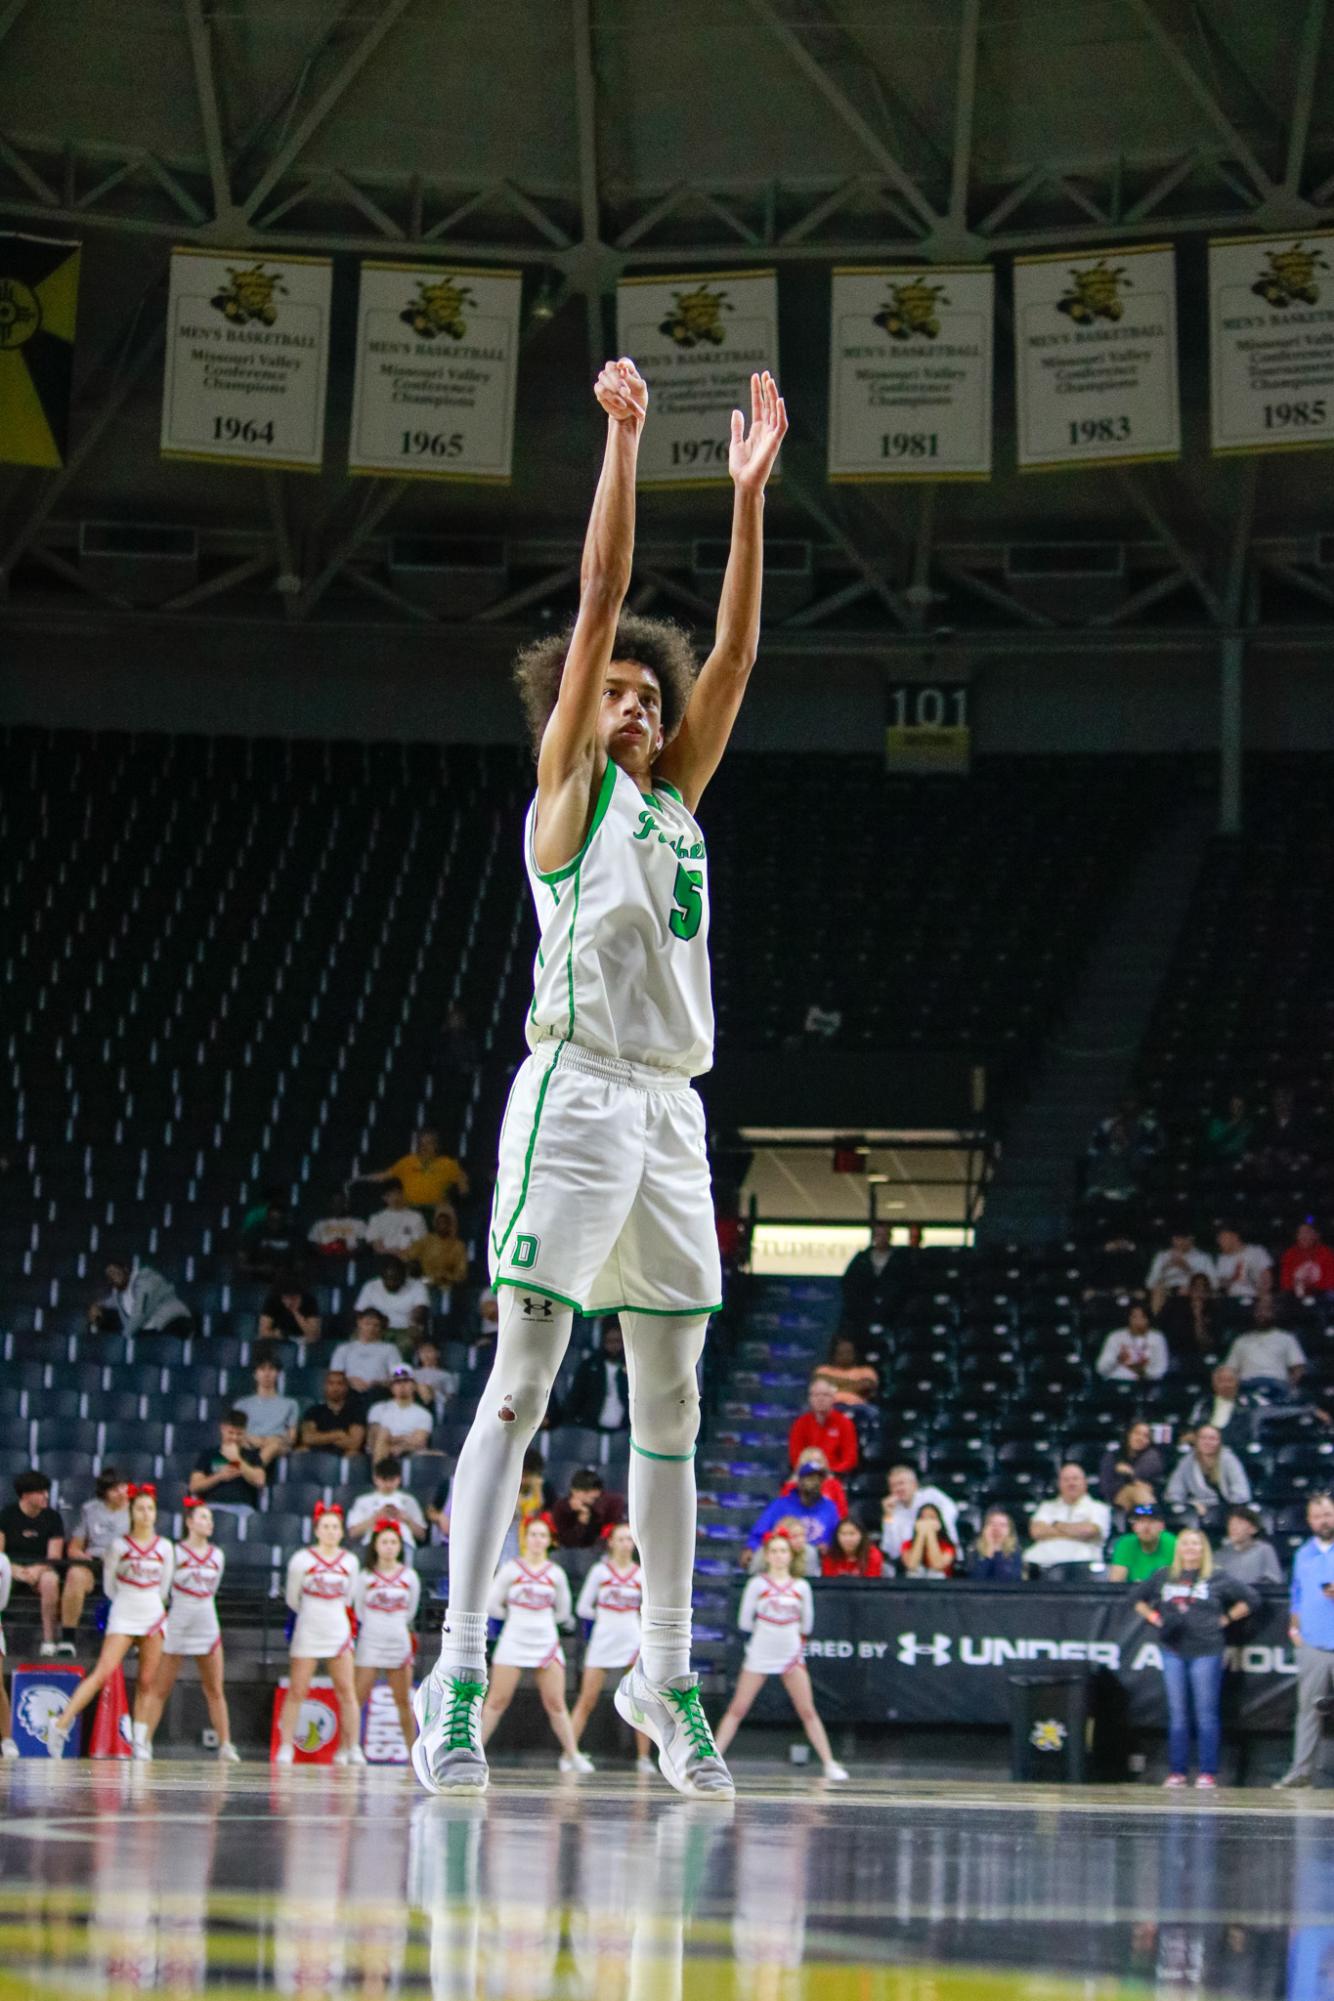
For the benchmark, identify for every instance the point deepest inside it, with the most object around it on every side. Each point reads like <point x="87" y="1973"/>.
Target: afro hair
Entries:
<point x="655" y="643"/>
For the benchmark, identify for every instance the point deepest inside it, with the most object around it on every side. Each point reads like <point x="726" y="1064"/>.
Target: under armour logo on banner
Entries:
<point x="936" y="1649"/>
<point x="537" y="1308"/>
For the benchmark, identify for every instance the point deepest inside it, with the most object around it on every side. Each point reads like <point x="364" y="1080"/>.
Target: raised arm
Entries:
<point x="691" y="758"/>
<point x="567" y="766"/>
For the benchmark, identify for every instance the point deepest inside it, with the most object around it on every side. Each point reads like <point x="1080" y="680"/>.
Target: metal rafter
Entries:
<point x="1303" y="94"/>
<point x="1177" y="60"/>
<point x="9" y="15"/>
<point x="965" y="97"/>
<point x="589" y="273"/>
<point x="199" y="27"/>
<point x="1183" y="557"/>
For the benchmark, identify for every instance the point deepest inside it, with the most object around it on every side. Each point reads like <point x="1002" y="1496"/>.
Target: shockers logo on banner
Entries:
<point x="39" y="291"/>
<point x="697" y="341"/>
<point x="1271" y="342"/>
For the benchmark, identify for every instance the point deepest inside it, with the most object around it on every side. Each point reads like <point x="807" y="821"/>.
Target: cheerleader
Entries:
<point x="532" y="1595"/>
<point x="321" y="1579"/>
<point x="777" y="1610"/>
<point x="136" y="1576"/>
<point x="611" y="1598"/>
<point x="192" y="1631"/>
<point x="386" y="1598"/>
<point x="8" y="1748"/>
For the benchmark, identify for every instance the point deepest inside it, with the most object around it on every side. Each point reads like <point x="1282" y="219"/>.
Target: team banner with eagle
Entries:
<point x="39" y="293"/>
<point x="697" y="340"/>
<point x="910" y="372"/>
<point x="1095" y="352"/>
<point x="1271" y="348"/>
<point x="437" y="363"/>
<point x="247" y="359"/>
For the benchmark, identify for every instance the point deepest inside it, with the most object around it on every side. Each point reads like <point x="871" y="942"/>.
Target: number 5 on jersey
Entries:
<point x="687" y="903"/>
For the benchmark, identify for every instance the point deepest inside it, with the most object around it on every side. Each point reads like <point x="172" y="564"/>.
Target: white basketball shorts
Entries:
<point x="602" y="1199"/>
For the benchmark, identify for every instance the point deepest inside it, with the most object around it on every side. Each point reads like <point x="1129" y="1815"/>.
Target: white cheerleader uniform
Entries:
<point x="777" y="1613"/>
<point x="611" y="1598"/>
<point x="533" y="1603"/>
<point x="386" y="1605"/>
<point x="6" y="1586"/>
<point x="319" y="1591"/>
<point x="137" y="1577"/>
<point x="192" y="1621"/>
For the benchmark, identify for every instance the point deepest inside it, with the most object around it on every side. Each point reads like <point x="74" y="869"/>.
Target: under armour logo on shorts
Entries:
<point x="536" y="1308"/>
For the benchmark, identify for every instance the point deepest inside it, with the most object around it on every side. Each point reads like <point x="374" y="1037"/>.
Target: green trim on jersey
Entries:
<point x="676" y="1458"/>
<point x="670" y="790"/>
<point x="605" y="791"/>
<point x="499" y="1248"/>
<point x="569" y="943"/>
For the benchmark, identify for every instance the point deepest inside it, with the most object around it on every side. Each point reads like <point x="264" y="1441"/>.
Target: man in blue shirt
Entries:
<point x="1311" y="1630"/>
<point x="808" y="1505"/>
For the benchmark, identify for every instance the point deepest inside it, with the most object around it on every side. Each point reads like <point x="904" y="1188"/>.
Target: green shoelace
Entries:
<point x="463" y="1698"/>
<point x="695" y="1723"/>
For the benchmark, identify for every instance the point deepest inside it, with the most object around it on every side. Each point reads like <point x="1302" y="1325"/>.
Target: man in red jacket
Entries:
<point x="826" y="1428"/>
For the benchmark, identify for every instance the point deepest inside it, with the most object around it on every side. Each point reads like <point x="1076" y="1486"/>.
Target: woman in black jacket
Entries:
<point x="1192" y="1605"/>
<point x="1134" y="1464"/>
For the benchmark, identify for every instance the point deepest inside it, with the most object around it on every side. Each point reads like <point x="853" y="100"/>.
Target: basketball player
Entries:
<point x="602" y="1200"/>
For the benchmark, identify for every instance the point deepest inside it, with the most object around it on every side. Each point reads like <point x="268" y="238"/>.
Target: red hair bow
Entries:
<point x="326" y="1508"/>
<point x="388" y="1522"/>
<point x="193" y="1501"/>
<point x="148" y="1487"/>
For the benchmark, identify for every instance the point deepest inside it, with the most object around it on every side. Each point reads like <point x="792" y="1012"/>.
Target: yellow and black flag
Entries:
<point x="39" y="292"/>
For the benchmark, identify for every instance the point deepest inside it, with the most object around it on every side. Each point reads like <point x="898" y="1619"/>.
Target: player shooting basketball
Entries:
<point x="602" y="1200"/>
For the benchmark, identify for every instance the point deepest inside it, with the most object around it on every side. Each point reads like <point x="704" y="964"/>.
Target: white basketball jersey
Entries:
<point x="623" y="961"/>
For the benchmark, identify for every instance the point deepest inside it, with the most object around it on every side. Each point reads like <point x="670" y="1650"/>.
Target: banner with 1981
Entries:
<point x="247" y="358"/>
<point x="1271" y="342"/>
<point x="697" y="341"/>
<point x="1095" y="349"/>
<point x="437" y="355"/>
<point x="910" y="372"/>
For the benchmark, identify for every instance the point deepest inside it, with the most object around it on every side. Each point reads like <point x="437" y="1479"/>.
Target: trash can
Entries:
<point x="1048" y="1720"/>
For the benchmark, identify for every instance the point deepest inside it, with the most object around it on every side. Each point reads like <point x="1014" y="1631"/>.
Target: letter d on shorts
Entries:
<point x="524" y="1255"/>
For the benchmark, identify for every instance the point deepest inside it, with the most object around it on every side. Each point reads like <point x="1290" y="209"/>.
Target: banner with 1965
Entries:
<point x="910" y="372"/>
<point x="247" y="358"/>
<point x="697" y="341"/>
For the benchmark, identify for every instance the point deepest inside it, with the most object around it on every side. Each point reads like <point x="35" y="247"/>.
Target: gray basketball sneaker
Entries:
<point x="448" y="1756"/>
<point x="673" y="1716"/>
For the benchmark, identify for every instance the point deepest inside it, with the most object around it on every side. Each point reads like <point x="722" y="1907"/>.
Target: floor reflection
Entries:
<point x="182" y="1881"/>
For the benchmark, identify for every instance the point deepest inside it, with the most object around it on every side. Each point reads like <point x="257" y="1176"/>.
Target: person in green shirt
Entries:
<point x="1147" y="1546"/>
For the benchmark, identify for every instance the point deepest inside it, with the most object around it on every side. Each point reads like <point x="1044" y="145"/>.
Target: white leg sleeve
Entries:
<point x="661" y="1358"/>
<point x="530" y="1347"/>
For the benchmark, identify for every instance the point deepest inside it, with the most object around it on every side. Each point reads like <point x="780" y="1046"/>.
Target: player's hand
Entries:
<point x="623" y="393"/>
<point x="751" y="454"/>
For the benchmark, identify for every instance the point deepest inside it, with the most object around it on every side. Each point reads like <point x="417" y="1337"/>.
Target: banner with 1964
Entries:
<point x="247" y="359"/>
<point x="437" y="353"/>
<point x="1271" y="342"/>
<point x="696" y="341"/>
<point x="910" y="372"/>
<point x="1095" y="349"/>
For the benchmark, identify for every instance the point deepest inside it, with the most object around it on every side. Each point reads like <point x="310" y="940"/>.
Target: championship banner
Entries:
<point x="1271" y="342"/>
<point x="696" y="342"/>
<point x="39" y="295"/>
<point x="247" y="359"/>
<point x="1095" y="356"/>
<point x="910" y="372"/>
<point x="437" y="362"/>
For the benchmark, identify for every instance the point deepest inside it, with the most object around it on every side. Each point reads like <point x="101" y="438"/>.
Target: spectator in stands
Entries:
<point x="852" y="1553"/>
<point x="928" y="1551"/>
<point x="394" y="1229"/>
<point x="1244" y="1553"/>
<point x="268" y="1240"/>
<point x="1218" y="1405"/>
<point x="32" y="1536"/>
<point x="870" y="1284"/>
<point x="1207" y="1478"/>
<point x="1242" y="1271"/>
<point x="139" y="1301"/>
<point x="1281" y="1145"/>
<point x="270" y="1416"/>
<point x="367" y="1359"/>
<point x="230" y="1473"/>
<point x="441" y="1256"/>
<point x="388" y="1499"/>
<point x="532" y="1501"/>
<point x="337" y="1235"/>
<point x="824" y="1427"/>
<point x="1069" y="1530"/>
<point x="1311" y="1631"/>
<point x="1192" y="1322"/>
<point x="290" y="1313"/>
<point x="831" y="1486"/>
<point x="904" y="1495"/>
<point x="399" y="1424"/>
<point x="404" y="1302"/>
<point x="1173" y="1269"/>
<point x="459" y="1044"/>
<point x="996" y="1557"/>
<point x="1267" y="1354"/>
<point x="599" y="1398"/>
<point x="807" y="1504"/>
<point x="1147" y="1545"/>
<point x="1135" y="1353"/>
<point x="339" y="1423"/>
<point x="1307" y="1268"/>
<point x="426" y="1175"/>
<point x="581" y="1514"/>
<point x="1227" y="1136"/>
<point x="1134" y="1123"/>
<point x="823" y="1019"/>
<point x="1132" y="1473"/>
<point x="101" y="1520"/>
<point x="1192" y="1604"/>
<point x="435" y="1386"/>
<point x="487" y="1324"/>
<point x="852" y="1378"/>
